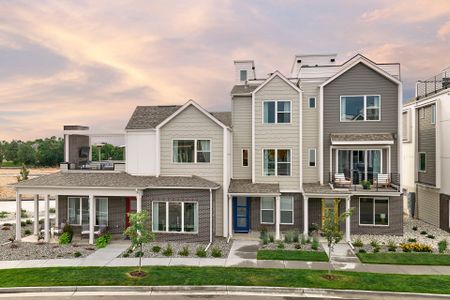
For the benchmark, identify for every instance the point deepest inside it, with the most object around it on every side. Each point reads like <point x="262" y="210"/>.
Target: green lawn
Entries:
<point x="292" y="255"/>
<point x="83" y="276"/>
<point x="408" y="258"/>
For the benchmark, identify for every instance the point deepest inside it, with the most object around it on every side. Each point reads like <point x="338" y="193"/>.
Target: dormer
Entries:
<point x="244" y="70"/>
<point x="312" y="60"/>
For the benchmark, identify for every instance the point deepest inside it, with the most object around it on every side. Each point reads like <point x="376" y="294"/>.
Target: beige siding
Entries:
<point x="428" y="204"/>
<point x="191" y="123"/>
<point x="242" y="136"/>
<point x="284" y="136"/>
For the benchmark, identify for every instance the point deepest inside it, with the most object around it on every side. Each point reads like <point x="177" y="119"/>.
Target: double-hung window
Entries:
<point x="191" y="151"/>
<point x="312" y="157"/>
<point x="277" y="112"/>
<point x="374" y="211"/>
<point x="422" y="162"/>
<point x="287" y="210"/>
<point x="267" y="210"/>
<point x="174" y="216"/>
<point x="360" y="108"/>
<point x="277" y="162"/>
<point x="243" y="75"/>
<point x="78" y="210"/>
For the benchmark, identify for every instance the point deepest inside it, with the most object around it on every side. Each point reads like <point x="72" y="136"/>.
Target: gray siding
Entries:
<point x="428" y="204"/>
<point x="283" y="136"/>
<point x="242" y="136"/>
<point x="360" y="80"/>
<point x="444" y="209"/>
<point x="426" y="142"/>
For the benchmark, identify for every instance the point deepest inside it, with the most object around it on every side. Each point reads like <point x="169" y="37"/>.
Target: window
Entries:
<point x="312" y="157"/>
<point x="276" y="162"/>
<point x="312" y="102"/>
<point x="184" y="150"/>
<point x="368" y="163"/>
<point x="78" y="210"/>
<point x="277" y="112"/>
<point x="360" y="108"/>
<point x="286" y="210"/>
<point x="433" y="114"/>
<point x="175" y="216"/>
<point x="267" y="210"/>
<point x="243" y="75"/>
<point x="422" y="161"/>
<point x="374" y="211"/>
<point x="245" y="157"/>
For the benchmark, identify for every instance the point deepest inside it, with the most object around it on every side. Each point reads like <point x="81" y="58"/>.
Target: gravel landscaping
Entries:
<point x="150" y="249"/>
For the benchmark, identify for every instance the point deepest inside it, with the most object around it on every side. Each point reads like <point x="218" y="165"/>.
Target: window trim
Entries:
<point x="292" y="211"/>
<point x="418" y="162"/>
<point x="276" y="162"/>
<point x="261" y="210"/>
<point x="309" y="102"/>
<point x="373" y="213"/>
<point x="433" y="114"/>
<point x="182" y="218"/>
<point x="276" y="112"/>
<point x="242" y="158"/>
<point x="195" y="150"/>
<point x="365" y="108"/>
<point x="240" y="75"/>
<point x="309" y="158"/>
<point x="80" y="198"/>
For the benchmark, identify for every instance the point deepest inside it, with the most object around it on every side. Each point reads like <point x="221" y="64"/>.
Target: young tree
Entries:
<point x="331" y="229"/>
<point x="23" y="174"/>
<point x="138" y="234"/>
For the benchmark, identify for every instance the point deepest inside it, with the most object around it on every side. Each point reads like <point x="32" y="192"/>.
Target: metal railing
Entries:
<point x="355" y="180"/>
<point x="107" y="165"/>
<point x="433" y="84"/>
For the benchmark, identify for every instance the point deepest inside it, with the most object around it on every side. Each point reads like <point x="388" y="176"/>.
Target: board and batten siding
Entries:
<point x="242" y="135"/>
<point x="426" y="142"/>
<point x="359" y="80"/>
<point x="281" y="136"/>
<point x="192" y="123"/>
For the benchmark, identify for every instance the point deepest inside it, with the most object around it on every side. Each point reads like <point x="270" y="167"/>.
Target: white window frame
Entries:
<point x="240" y="75"/>
<point x="276" y="112"/>
<point x="366" y="156"/>
<point x="433" y="114"/>
<point x="276" y="162"/>
<point x="315" y="102"/>
<point x="80" y="199"/>
<point x="182" y="217"/>
<point x="261" y="211"/>
<point x="242" y="158"/>
<point x="418" y="163"/>
<point x="373" y="213"/>
<point x="292" y="211"/>
<point x="195" y="150"/>
<point x="365" y="109"/>
<point x="309" y="157"/>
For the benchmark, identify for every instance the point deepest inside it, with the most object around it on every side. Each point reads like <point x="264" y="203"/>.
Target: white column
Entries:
<point x="18" y="219"/>
<point x="347" y="219"/>
<point x="139" y="201"/>
<point x="36" y="215"/>
<point x="47" y="219"/>
<point x="277" y="218"/>
<point x="230" y="215"/>
<point x="305" y="216"/>
<point x="91" y="218"/>
<point x="57" y="212"/>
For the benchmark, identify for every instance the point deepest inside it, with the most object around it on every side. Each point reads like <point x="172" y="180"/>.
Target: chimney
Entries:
<point x="244" y="70"/>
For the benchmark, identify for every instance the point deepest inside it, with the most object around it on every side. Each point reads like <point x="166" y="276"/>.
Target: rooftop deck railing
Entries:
<point x="106" y="165"/>
<point x="433" y="84"/>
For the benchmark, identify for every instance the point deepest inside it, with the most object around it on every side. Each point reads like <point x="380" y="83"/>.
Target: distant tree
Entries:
<point x="1" y="153"/>
<point x="26" y="154"/>
<point x="50" y="151"/>
<point x="108" y="151"/>
<point x="10" y="151"/>
<point x="23" y="174"/>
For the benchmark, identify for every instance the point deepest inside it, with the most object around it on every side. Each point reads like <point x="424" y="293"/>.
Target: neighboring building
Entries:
<point x="290" y="149"/>
<point x="426" y="119"/>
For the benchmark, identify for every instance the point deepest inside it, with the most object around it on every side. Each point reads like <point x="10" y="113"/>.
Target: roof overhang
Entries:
<point x="277" y="74"/>
<point x="362" y="139"/>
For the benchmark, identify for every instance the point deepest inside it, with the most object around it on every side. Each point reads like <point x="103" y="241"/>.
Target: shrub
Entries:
<point x="314" y="227"/>
<point x="23" y="223"/>
<point x="392" y="246"/>
<point x="156" y="249"/>
<point x="52" y="210"/>
<point x="27" y="232"/>
<point x="374" y="244"/>
<point x="376" y="249"/>
<point x="3" y="214"/>
<point x="358" y="243"/>
<point x="365" y="184"/>
<point x="265" y="240"/>
<point x="28" y="221"/>
<point x="200" y="252"/>
<point x="412" y="240"/>
<point x="139" y="254"/>
<point x="430" y="236"/>
<point x="184" y="251"/>
<point x="315" y="244"/>
<point x="416" y="247"/>
<point x="103" y="240"/>
<point x="271" y="238"/>
<point x="280" y="245"/>
<point x="77" y="254"/>
<point x="308" y="240"/>
<point x="41" y="221"/>
<point x="298" y="246"/>
<point x="423" y="232"/>
<point x="362" y="251"/>
<point x="168" y="251"/>
<point x="288" y="237"/>
<point x="65" y="238"/>
<point x="303" y="239"/>
<point x="442" y="246"/>
<point x="7" y="224"/>
<point x="295" y="237"/>
<point x="216" y="252"/>
<point x="415" y="228"/>
<point x="23" y="214"/>
<point x="126" y="255"/>
<point x="262" y="232"/>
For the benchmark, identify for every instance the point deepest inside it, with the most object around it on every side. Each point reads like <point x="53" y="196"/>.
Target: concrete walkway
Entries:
<point x="342" y="253"/>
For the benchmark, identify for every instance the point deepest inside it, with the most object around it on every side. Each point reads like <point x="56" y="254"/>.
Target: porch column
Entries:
<point x="230" y="215"/>
<point x="36" y="215"/>
<point x="18" y="218"/>
<point x="57" y="212"/>
<point x="139" y="201"/>
<point x="347" y="220"/>
<point x="47" y="219"/>
<point x="305" y="216"/>
<point x="277" y="218"/>
<point x="91" y="218"/>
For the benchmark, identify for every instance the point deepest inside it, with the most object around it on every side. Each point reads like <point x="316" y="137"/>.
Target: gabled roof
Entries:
<point x="277" y="74"/>
<point x="223" y="116"/>
<point x="243" y="89"/>
<point x="148" y="117"/>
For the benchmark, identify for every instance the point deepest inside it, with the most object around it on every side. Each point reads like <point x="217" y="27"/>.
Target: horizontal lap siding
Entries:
<point x="426" y="142"/>
<point x="428" y="204"/>
<point x="242" y="136"/>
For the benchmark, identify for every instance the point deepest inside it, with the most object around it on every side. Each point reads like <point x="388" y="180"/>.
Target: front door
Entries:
<point x="330" y="207"/>
<point x="131" y="208"/>
<point x="241" y="213"/>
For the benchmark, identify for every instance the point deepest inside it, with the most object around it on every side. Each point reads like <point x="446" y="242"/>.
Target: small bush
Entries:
<point x="416" y="247"/>
<point x="392" y="246"/>
<point x="23" y="223"/>
<point x="358" y="243"/>
<point x="3" y="214"/>
<point x="308" y="240"/>
<point x="295" y="237"/>
<point x="7" y="224"/>
<point x="271" y="238"/>
<point x="303" y="239"/>
<point x="362" y="251"/>
<point x="412" y="240"/>
<point x="315" y="244"/>
<point x="298" y="246"/>
<point x="374" y="243"/>
<point x="103" y="240"/>
<point x="52" y="210"/>
<point x="442" y="246"/>
<point x="168" y="251"/>
<point x="430" y="236"/>
<point x="200" y="252"/>
<point x="126" y="255"/>
<point x="77" y="254"/>
<point x="23" y="214"/>
<point x="67" y="228"/>
<point x="184" y="251"/>
<point x="265" y="240"/>
<point x="156" y="249"/>
<point x="415" y="228"/>
<point x="65" y="238"/>
<point x="216" y="252"/>
<point x="280" y="245"/>
<point x="139" y="254"/>
<point x="376" y="249"/>
<point x="41" y="221"/>
<point x="27" y="232"/>
<point x="28" y="222"/>
<point x="423" y="232"/>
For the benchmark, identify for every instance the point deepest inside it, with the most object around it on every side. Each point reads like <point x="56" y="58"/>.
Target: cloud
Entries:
<point x="444" y="31"/>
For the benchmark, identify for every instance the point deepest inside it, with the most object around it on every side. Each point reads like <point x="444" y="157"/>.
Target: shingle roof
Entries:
<point x="117" y="180"/>
<point x="223" y="116"/>
<point x="243" y="89"/>
<point x="358" y="137"/>
<point x="245" y="186"/>
<point x="148" y="117"/>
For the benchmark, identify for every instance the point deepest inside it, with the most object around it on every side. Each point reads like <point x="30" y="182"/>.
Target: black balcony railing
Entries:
<point x="355" y="180"/>
<point x="106" y="165"/>
<point x="433" y="84"/>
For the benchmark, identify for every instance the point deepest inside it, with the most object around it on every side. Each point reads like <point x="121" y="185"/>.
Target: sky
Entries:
<point x="92" y="62"/>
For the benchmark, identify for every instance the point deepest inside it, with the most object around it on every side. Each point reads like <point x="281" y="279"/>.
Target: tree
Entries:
<point x="331" y="230"/>
<point x="23" y="174"/>
<point x="10" y="150"/>
<point x="50" y="151"/>
<point x="26" y="154"/>
<point x="139" y="235"/>
<point x="107" y="151"/>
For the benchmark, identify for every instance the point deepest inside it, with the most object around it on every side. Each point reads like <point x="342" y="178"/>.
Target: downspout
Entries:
<point x="210" y="220"/>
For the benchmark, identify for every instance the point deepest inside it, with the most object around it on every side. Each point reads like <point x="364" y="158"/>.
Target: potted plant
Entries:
<point x="365" y="184"/>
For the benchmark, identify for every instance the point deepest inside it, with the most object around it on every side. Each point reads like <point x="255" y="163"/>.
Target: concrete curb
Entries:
<point x="220" y="290"/>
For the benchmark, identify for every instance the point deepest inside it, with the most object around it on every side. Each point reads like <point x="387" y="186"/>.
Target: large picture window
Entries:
<point x="374" y="211"/>
<point x="191" y="151"/>
<point x="287" y="210"/>
<point x="78" y="210"/>
<point x="277" y="112"/>
<point x="174" y="216"/>
<point x="267" y="210"/>
<point x="277" y="162"/>
<point x="360" y="108"/>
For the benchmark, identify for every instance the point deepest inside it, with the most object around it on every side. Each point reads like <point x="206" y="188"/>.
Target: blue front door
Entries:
<point x="241" y="214"/>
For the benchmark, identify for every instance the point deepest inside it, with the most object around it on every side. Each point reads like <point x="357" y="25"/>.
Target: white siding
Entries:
<point x="140" y="153"/>
<point x="408" y="172"/>
<point x="242" y="135"/>
<point x="443" y="117"/>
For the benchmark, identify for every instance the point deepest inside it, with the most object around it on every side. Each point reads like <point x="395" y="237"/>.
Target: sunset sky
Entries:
<point x="92" y="62"/>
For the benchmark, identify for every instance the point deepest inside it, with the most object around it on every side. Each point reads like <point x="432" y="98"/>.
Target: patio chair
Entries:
<point x="341" y="181"/>
<point x="100" y="230"/>
<point x="382" y="180"/>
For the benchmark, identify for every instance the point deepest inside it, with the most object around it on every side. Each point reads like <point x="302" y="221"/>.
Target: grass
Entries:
<point x="292" y="255"/>
<point x="104" y="276"/>
<point x="408" y="258"/>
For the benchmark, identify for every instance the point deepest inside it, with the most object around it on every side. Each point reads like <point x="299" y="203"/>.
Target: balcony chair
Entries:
<point x="341" y="181"/>
<point x="382" y="180"/>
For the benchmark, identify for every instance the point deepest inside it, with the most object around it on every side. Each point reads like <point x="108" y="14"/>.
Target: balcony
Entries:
<point x="357" y="181"/>
<point x="433" y="84"/>
<point x="104" y="165"/>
